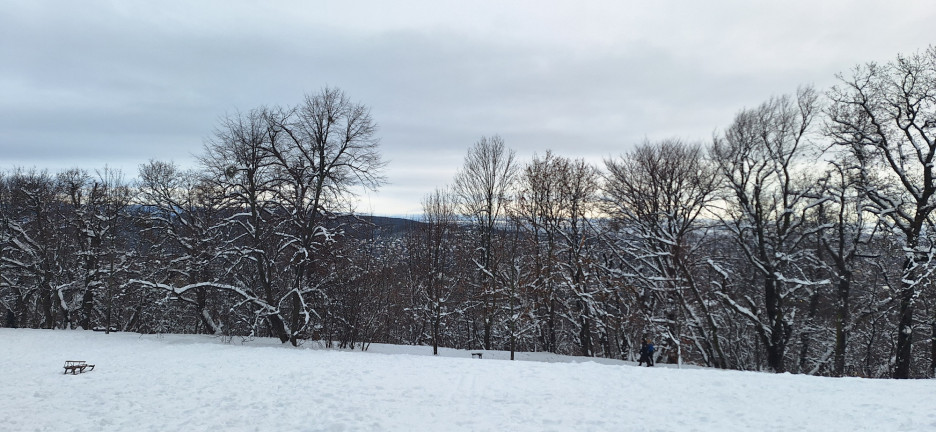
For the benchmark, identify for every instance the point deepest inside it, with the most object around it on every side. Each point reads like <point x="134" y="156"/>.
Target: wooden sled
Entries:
<point x="77" y="366"/>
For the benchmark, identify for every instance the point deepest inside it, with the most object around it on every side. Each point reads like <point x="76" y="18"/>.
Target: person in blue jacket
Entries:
<point x="646" y="353"/>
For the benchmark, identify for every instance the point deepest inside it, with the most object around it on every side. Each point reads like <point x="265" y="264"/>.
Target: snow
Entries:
<point x="198" y="383"/>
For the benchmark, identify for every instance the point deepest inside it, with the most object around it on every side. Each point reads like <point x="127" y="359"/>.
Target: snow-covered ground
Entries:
<point x="199" y="383"/>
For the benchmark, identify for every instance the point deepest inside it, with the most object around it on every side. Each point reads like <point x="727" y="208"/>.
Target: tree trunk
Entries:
<point x="904" y="335"/>
<point x="295" y="317"/>
<point x="87" y="309"/>
<point x="842" y="318"/>
<point x="435" y="333"/>
<point x="488" y="319"/>
<point x="278" y="327"/>
<point x="551" y="345"/>
<point x="776" y="341"/>
<point x="905" y="324"/>
<point x="47" y="299"/>
<point x="585" y="333"/>
<point x="11" y="319"/>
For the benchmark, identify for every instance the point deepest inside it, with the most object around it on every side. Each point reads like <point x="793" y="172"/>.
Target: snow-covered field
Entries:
<point x="198" y="383"/>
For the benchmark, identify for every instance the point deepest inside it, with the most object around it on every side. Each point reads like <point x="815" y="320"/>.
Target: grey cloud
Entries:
<point x="120" y="83"/>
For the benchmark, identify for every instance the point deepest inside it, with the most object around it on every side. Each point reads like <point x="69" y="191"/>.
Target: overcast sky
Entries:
<point x="93" y="83"/>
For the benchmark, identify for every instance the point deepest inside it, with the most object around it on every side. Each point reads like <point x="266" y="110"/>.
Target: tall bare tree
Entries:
<point x="768" y="195"/>
<point x="443" y="274"/>
<point x="886" y="116"/>
<point x="238" y="162"/>
<point x="539" y="207"/>
<point x="287" y="172"/>
<point x="323" y="150"/>
<point x="656" y="195"/>
<point x="482" y="187"/>
<point x="578" y="183"/>
<point x="556" y="198"/>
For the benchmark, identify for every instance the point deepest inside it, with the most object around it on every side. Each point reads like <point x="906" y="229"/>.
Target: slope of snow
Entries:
<point x="196" y="383"/>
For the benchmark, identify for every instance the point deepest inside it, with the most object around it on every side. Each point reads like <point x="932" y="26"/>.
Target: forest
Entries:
<point x="799" y="238"/>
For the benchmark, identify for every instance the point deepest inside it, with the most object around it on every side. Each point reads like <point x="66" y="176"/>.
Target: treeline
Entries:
<point x="798" y="239"/>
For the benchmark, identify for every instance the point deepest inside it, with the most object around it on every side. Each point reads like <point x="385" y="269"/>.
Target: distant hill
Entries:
<point x="360" y="226"/>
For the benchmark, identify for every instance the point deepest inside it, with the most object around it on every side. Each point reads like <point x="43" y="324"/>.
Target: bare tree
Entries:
<point x="768" y="195"/>
<point x="843" y="238"/>
<point x="285" y="173"/>
<point x="656" y="195"/>
<point x="886" y="116"/>
<point x="112" y="216"/>
<point x="34" y="246"/>
<point x="98" y="211"/>
<point x="482" y="187"/>
<point x="83" y="200"/>
<point x="440" y="262"/>
<point x="323" y="150"/>
<point x="556" y="198"/>
<point x="539" y="207"/>
<point x="517" y="280"/>
<point x="579" y="188"/>
<point x="238" y="162"/>
<point x="187" y="211"/>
